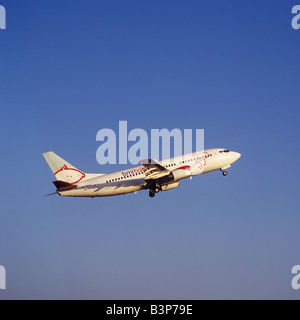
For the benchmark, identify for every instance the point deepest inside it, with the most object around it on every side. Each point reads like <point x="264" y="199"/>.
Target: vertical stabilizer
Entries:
<point x="63" y="170"/>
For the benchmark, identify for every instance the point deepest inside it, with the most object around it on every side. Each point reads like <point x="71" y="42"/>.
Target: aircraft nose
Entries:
<point x="236" y="156"/>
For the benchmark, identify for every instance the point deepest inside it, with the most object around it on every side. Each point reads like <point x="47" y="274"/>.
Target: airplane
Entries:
<point x="150" y="175"/>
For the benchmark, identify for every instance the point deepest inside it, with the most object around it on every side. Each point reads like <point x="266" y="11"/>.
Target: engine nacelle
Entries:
<point x="182" y="173"/>
<point x="170" y="186"/>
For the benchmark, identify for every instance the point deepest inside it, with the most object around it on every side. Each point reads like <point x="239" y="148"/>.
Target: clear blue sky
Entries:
<point x="71" y="68"/>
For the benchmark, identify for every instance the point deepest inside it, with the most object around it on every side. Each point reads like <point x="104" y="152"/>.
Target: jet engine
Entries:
<point x="170" y="186"/>
<point x="182" y="173"/>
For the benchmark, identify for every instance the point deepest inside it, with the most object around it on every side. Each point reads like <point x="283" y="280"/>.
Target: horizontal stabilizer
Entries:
<point x="51" y="194"/>
<point x="64" y="186"/>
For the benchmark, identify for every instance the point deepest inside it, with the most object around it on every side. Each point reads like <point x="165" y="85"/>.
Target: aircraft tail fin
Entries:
<point x="63" y="171"/>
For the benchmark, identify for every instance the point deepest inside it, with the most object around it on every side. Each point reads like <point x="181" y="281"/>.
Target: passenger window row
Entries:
<point x="124" y="178"/>
<point x="190" y="160"/>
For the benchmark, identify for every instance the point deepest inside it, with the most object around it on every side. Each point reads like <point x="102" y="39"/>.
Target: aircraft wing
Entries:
<point x="154" y="170"/>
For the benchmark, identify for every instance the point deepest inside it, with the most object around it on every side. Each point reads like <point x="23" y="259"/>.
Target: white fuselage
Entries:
<point x="133" y="180"/>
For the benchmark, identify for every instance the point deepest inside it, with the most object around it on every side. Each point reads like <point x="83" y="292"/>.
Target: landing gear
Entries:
<point x="157" y="189"/>
<point x="225" y="173"/>
<point x="151" y="193"/>
<point x="154" y="190"/>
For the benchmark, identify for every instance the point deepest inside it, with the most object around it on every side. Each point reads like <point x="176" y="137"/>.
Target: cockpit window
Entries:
<point x="226" y="151"/>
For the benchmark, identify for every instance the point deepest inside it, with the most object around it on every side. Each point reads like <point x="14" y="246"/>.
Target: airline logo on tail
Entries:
<point x="70" y="174"/>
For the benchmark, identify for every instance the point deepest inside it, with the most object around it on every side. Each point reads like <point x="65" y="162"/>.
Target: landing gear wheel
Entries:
<point x="152" y="194"/>
<point x="225" y="173"/>
<point x="157" y="189"/>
